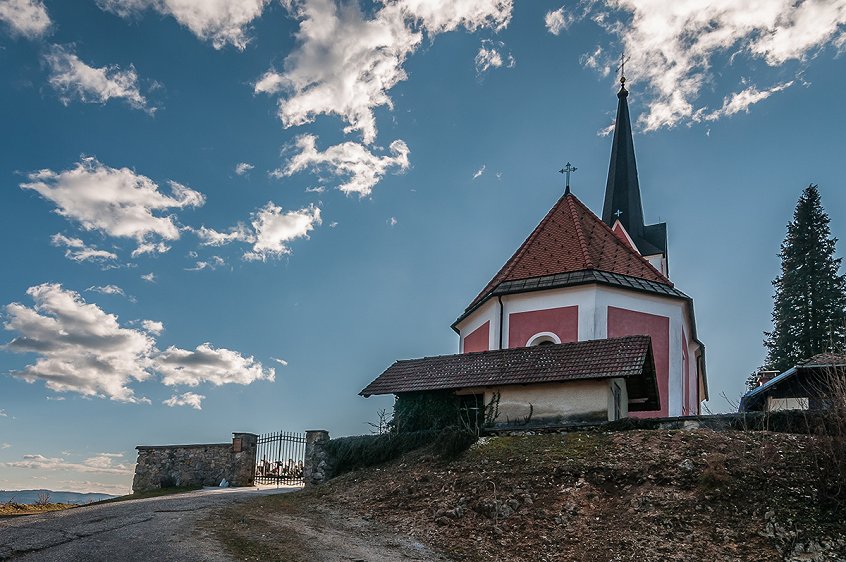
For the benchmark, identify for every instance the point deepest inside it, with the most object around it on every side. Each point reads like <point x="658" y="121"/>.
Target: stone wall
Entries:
<point x="165" y="466"/>
<point x="318" y="466"/>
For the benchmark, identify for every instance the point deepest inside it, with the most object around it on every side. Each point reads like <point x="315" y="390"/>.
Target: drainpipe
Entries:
<point x="499" y="297"/>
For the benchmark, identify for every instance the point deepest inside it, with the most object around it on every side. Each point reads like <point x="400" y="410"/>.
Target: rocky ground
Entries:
<point x="634" y="495"/>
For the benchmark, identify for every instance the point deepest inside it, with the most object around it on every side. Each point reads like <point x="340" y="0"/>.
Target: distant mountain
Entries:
<point x="31" y="496"/>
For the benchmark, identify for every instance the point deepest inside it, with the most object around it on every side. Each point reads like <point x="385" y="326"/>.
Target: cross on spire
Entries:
<point x="566" y="170"/>
<point x="622" y="68"/>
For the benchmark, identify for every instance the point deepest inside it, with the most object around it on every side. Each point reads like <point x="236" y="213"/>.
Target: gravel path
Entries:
<point x="161" y="528"/>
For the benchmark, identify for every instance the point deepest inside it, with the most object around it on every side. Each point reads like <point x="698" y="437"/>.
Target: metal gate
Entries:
<point x="279" y="458"/>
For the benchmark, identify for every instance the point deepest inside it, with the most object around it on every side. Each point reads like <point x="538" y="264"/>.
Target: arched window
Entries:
<point x="543" y="338"/>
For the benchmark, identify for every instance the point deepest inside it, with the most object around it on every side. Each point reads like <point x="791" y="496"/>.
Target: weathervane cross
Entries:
<point x="566" y="170"/>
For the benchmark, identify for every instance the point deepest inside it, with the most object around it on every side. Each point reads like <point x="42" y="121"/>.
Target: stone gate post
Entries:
<point x="317" y="467"/>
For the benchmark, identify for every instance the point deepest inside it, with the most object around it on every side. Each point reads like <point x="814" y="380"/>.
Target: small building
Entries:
<point x="811" y="385"/>
<point x="592" y="381"/>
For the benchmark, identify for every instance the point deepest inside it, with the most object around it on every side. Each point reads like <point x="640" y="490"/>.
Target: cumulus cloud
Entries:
<point x="220" y="21"/>
<point x="478" y="173"/>
<point x="186" y="399"/>
<point x="490" y="55"/>
<point x="153" y="326"/>
<point x="392" y="221"/>
<point x="102" y="464"/>
<point x="217" y="366"/>
<point x="673" y="45"/>
<point x="115" y="201"/>
<point x="274" y="229"/>
<point x="74" y="79"/>
<point x="81" y="348"/>
<point x="27" y="18"/>
<point x="346" y="62"/>
<point x="77" y="250"/>
<point x="558" y="20"/>
<point x="351" y="160"/>
<point x="149" y="277"/>
<point x="243" y="167"/>
<point x="212" y="237"/>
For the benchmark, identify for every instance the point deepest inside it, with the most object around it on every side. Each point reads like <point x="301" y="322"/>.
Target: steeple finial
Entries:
<point x="622" y="68"/>
<point x="567" y="170"/>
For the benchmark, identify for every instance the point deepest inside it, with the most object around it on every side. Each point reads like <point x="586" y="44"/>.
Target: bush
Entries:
<point x="425" y="411"/>
<point x="352" y="453"/>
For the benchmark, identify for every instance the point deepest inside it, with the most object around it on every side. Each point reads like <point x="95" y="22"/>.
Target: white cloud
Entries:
<point x="212" y="263"/>
<point x="558" y="20"/>
<point x="362" y="168"/>
<point x="149" y="277"/>
<point x="3" y="413"/>
<point x="74" y="79"/>
<point x="490" y="56"/>
<point x="101" y="464"/>
<point x="346" y="63"/>
<point x="115" y="201"/>
<point x="217" y="366"/>
<point x="392" y="221"/>
<point x="80" y="348"/>
<point x="220" y="21"/>
<point x="479" y="172"/>
<point x="673" y="45"/>
<point x="186" y="399"/>
<point x="280" y="361"/>
<point x="243" y="167"/>
<point x="275" y="228"/>
<point x="28" y="18"/>
<point x="333" y="224"/>
<point x="212" y="237"/>
<point x="5" y="445"/>
<point x="109" y="290"/>
<point x="153" y="326"/>
<point x="77" y="250"/>
<point x="740" y="101"/>
<point x="318" y="189"/>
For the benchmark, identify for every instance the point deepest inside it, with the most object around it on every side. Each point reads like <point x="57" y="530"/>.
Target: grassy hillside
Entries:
<point x="635" y="495"/>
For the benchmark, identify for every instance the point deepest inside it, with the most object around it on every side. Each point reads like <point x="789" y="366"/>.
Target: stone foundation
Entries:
<point x="165" y="466"/>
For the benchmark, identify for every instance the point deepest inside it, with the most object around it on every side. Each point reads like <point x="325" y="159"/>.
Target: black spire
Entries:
<point x="622" y="192"/>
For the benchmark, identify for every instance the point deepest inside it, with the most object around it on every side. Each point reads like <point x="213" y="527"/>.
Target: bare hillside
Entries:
<point x="635" y="495"/>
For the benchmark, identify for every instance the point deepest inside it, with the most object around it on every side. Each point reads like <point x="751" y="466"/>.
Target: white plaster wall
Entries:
<point x="624" y="398"/>
<point x="552" y="400"/>
<point x="774" y="404"/>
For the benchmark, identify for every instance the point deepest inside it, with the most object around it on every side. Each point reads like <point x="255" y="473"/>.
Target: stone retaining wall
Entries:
<point x="164" y="466"/>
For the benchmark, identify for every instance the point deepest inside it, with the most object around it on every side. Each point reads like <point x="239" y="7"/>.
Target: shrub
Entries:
<point x="362" y="451"/>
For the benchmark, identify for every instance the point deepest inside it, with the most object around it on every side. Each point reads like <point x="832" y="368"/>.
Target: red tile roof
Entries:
<point x="629" y="357"/>
<point x="571" y="238"/>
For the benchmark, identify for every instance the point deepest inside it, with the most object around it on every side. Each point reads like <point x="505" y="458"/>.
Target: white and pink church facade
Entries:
<point x="579" y="277"/>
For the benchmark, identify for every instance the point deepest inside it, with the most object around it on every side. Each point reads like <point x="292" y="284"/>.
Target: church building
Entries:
<point x="582" y="322"/>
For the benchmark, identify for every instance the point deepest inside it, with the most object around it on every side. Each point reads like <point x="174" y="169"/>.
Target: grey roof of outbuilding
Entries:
<point x="628" y="357"/>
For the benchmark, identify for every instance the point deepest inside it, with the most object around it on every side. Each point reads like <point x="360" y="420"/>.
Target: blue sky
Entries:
<point x="393" y="156"/>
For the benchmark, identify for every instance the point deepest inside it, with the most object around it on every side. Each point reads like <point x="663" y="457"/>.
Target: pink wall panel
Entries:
<point x="478" y="339"/>
<point x="688" y="404"/>
<point x="622" y="322"/>
<point x="563" y="322"/>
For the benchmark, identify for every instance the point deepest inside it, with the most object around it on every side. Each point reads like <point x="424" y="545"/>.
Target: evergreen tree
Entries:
<point x="809" y="312"/>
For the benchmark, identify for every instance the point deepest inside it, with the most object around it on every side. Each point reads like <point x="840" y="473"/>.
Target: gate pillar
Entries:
<point x="318" y="466"/>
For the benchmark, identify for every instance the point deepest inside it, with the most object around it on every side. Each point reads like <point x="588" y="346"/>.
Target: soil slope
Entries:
<point x="635" y="495"/>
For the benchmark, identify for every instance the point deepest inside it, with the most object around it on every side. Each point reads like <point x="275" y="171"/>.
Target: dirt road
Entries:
<point x="162" y="528"/>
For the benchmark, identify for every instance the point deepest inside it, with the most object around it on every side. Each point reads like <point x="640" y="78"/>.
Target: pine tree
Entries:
<point x="809" y="311"/>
